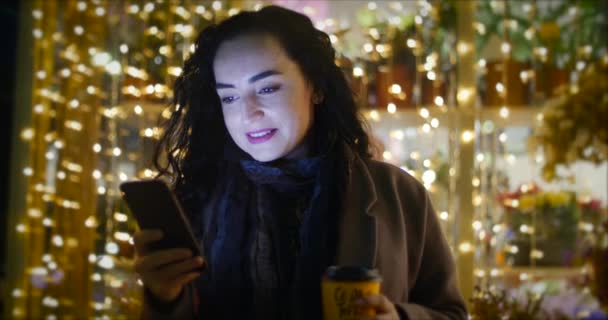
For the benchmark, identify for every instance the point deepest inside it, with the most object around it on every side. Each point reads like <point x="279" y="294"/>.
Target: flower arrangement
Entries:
<point x="532" y="301"/>
<point x="598" y="257"/>
<point x="489" y="304"/>
<point x="547" y="226"/>
<point x="573" y="128"/>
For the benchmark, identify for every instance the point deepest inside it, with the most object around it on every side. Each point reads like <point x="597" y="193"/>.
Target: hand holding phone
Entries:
<point x="168" y="254"/>
<point x="155" y="207"/>
<point x="164" y="272"/>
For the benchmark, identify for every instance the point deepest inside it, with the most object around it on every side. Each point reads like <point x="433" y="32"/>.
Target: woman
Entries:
<point x="269" y="156"/>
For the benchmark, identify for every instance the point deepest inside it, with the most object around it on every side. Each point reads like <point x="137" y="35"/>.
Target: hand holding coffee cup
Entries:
<point x="354" y="293"/>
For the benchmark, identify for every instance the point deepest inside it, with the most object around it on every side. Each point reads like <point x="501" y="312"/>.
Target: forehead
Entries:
<point x="250" y="53"/>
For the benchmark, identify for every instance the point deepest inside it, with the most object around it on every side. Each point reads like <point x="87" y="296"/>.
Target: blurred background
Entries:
<point x="498" y="107"/>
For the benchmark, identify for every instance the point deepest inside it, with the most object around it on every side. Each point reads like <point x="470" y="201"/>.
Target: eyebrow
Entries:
<point x="259" y="76"/>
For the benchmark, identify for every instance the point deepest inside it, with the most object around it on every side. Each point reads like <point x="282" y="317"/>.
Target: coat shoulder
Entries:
<point x="387" y="175"/>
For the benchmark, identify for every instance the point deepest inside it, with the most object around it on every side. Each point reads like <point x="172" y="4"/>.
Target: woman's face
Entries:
<point x="266" y="101"/>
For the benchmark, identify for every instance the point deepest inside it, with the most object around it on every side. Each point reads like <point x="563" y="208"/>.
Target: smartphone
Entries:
<point x="154" y="206"/>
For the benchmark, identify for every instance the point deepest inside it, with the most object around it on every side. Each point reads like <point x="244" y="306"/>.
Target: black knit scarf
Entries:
<point x="255" y="189"/>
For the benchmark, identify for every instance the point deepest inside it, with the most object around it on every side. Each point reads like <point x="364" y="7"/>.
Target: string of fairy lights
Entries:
<point x="102" y="75"/>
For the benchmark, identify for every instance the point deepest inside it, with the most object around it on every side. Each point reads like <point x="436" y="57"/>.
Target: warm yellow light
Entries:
<point x="411" y="43"/>
<point x="174" y="71"/>
<point x="426" y="128"/>
<point x="434" y="123"/>
<point x="27" y="171"/>
<point x="122" y="236"/>
<point x="467" y="136"/>
<point x="38" y="108"/>
<point x="91" y="222"/>
<point x="477" y="225"/>
<point x="37" y="33"/>
<point x="397" y="134"/>
<point x="504" y="112"/>
<point x="27" y="134"/>
<point x="101" y="190"/>
<point x="21" y="228"/>
<point x="391" y="108"/>
<point x="37" y="14"/>
<point x="114" y="68"/>
<point x="465" y="247"/>
<point x="57" y="240"/>
<point x="463" y="48"/>
<point x="424" y="113"/>
<point x="439" y="101"/>
<point x="120" y="217"/>
<point x="505" y="47"/>
<point x="374" y="115"/>
<point x="74" y="125"/>
<point x="444" y="215"/>
<point x="357" y="71"/>
<point x="78" y="30"/>
<point x="428" y="177"/>
<point x="395" y="89"/>
<point x="500" y="88"/>
<point x="106" y="262"/>
<point x="464" y="95"/>
<point x="100" y="11"/>
<point x="148" y="132"/>
<point x="112" y="248"/>
<point x="116" y="151"/>
<point x="101" y="59"/>
<point x="502" y="137"/>
<point x="475" y="182"/>
<point x="387" y="155"/>
<point x="138" y="110"/>
<point x="41" y="74"/>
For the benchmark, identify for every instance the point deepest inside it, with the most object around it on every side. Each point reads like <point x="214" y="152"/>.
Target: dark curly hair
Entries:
<point x="192" y="162"/>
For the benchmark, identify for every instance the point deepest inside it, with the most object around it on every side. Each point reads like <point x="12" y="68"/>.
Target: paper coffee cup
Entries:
<point x="342" y="286"/>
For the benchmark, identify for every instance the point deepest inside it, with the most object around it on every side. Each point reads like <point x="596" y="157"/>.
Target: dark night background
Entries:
<point x="8" y="24"/>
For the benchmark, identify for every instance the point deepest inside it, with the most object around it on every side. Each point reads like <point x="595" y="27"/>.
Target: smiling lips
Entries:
<point x="260" y="136"/>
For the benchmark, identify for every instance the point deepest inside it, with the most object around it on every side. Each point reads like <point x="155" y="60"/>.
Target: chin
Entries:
<point x="265" y="156"/>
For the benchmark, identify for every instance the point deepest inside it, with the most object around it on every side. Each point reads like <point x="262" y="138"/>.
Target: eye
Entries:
<point x="229" y="99"/>
<point x="268" y="90"/>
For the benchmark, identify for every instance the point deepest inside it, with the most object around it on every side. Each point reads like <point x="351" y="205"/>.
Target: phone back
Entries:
<point x="156" y="207"/>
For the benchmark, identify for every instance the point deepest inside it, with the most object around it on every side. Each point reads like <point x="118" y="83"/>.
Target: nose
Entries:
<point x="252" y="110"/>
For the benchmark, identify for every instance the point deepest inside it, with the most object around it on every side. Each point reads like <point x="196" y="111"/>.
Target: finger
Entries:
<point x="142" y="238"/>
<point x="377" y="301"/>
<point x="185" y="279"/>
<point x="174" y="270"/>
<point x="160" y="258"/>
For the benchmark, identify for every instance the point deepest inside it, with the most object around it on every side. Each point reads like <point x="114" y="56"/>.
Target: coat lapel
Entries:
<point x="357" y="224"/>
